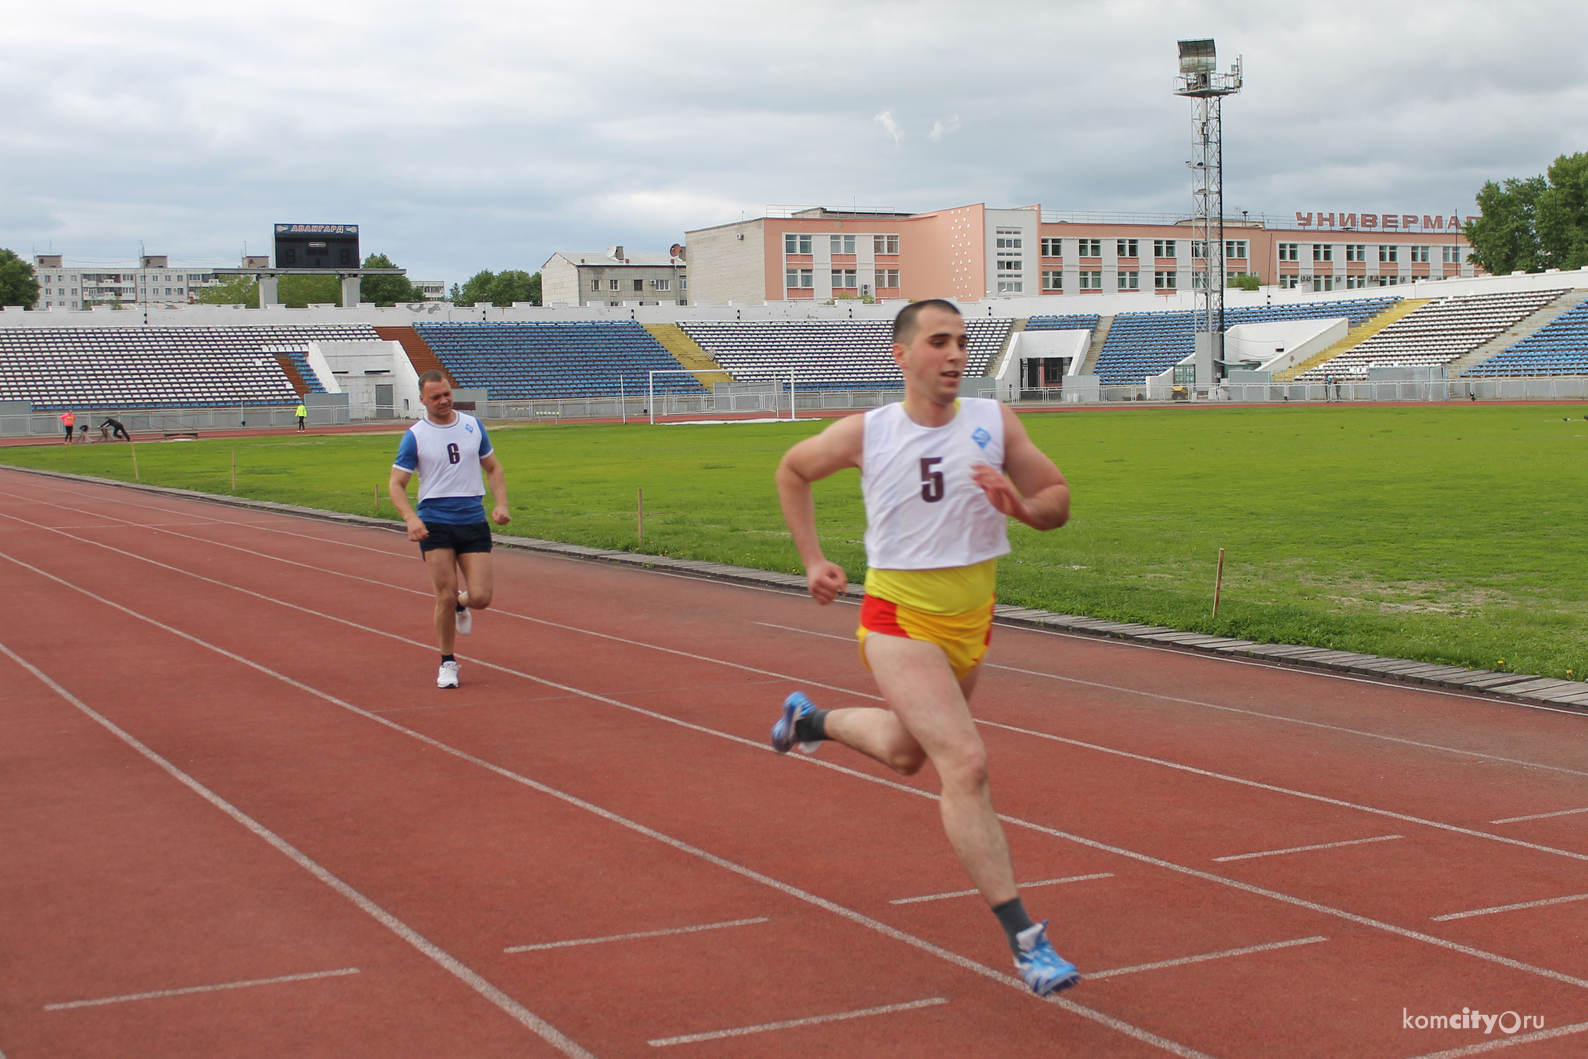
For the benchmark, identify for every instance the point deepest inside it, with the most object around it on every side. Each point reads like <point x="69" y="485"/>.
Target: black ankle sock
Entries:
<point x="448" y="658"/>
<point x="811" y="728"/>
<point x="1012" y="917"/>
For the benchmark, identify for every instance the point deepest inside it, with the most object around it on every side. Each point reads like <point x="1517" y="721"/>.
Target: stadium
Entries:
<point x="1285" y="724"/>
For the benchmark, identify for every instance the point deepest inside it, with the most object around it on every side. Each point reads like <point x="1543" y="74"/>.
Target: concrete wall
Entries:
<point x="1276" y="345"/>
<point x="358" y="367"/>
<point x="730" y="264"/>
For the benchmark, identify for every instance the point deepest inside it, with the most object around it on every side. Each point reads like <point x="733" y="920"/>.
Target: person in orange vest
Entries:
<point x="67" y="419"/>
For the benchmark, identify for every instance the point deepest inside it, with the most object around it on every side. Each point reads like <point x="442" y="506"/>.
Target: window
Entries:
<point x="843" y="278"/>
<point x="662" y="284"/>
<point x="1451" y="255"/>
<point x="886" y="278"/>
<point x="1353" y="282"/>
<point x="1011" y="286"/>
<point x="1165" y="280"/>
<point x="1091" y="280"/>
<point x="595" y="284"/>
<point x="639" y="285"/>
<point x="1008" y="239"/>
<point x="884" y="244"/>
<point x="1323" y="251"/>
<point x="1125" y="248"/>
<point x="794" y="243"/>
<point x="1090" y="248"/>
<point x="1235" y="248"/>
<point x="799" y="278"/>
<point x="1052" y="248"/>
<point x="1389" y="253"/>
<point x="683" y="284"/>
<point x="1052" y="279"/>
<point x="841" y="244"/>
<point x="1323" y="283"/>
<point x="1199" y="249"/>
<point x="1356" y="251"/>
<point x="1420" y="255"/>
<point x="1163" y="248"/>
<point x="612" y="284"/>
<point x="1199" y="280"/>
<point x="1290" y="251"/>
<point x="1130" y="281"/>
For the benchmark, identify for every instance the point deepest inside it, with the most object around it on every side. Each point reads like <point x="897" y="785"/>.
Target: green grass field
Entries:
<point x="1446" y="533"/>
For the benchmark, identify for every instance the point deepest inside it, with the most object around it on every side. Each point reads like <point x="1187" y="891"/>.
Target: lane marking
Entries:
<point x="199" y="989"/>
<point x="1469" y="832"/>
<point x="909" y="939"/>
<point x="766" y="1027"/>
<point x="1115" y="972"/>
<point x="636" y="934"/>
<point x="1306" y="849"/>
<point x="1119" y="1025"/>
<point x="518" y="1012"/>
<point x="1489" y="1046"/>
<point x="1509" y="908"/>
<point x="1540" y="816"/>
<point x="1022" y="886"/>
<point x="1259" y="713"/>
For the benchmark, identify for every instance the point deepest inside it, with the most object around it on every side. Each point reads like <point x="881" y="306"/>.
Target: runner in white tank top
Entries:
<point x="937" y="500"/>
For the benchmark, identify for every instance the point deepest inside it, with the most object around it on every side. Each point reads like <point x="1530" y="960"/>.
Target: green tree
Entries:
<point x="18" y="286"/>
<point x="233" y="290"/>
<point x="386" y="290"/>
<point x="301" y="291"/>
<point x="1534" y="223"/>
<point x="1245" y="281"/>
<point x="477" y="288"/>
<point x="498" y="288"/>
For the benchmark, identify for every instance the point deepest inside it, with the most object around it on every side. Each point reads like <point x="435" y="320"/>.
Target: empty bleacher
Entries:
<point x="516" y="361"/>
<point x="1434" y="335"/>
<point x="86" y="368"/>
<point x="1144" y="344"/>
<point x="1560" y="347"/>
<point x="1073" y="322"/>
<point x="829" y="355"/>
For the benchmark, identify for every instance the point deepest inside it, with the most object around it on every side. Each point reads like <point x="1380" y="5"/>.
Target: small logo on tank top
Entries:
<point x="981" y="437"/>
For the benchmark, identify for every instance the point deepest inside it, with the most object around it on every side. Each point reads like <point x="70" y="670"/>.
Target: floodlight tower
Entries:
<point x="1200" y="80"/>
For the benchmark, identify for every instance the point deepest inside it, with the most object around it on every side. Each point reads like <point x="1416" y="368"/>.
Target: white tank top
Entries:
<point x="923" y="511"/>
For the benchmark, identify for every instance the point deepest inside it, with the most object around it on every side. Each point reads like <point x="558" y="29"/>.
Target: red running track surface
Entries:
<point x="225" y="764"/>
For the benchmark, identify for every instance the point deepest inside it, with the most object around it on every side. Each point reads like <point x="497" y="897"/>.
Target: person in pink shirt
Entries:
<point x="67" y="419"/>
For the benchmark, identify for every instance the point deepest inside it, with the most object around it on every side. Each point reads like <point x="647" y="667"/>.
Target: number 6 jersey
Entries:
<point x="448" y="461"/>
<point x="923" y="511"/>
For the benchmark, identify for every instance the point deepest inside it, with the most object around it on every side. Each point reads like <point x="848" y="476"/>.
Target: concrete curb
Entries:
<point x="1516" y="687"/>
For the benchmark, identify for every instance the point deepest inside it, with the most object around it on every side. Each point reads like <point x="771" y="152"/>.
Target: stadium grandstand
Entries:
<point x="829" y="354"/>
<point x="523" y="361"/>
<point x="1435" y="334"/>
<point x="85" y="369"/>
<point x="1560" y="347"/>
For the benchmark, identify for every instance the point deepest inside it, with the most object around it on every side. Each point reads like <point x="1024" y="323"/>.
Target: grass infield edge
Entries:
<point x="1526" y="688"/>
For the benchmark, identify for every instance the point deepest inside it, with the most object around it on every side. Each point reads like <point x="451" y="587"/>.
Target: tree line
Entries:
<point x="1532" y="223"/>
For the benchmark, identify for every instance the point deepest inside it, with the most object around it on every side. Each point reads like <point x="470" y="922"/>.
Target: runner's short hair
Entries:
<point x="904" y="324"/>
<point x="431" y="376"/>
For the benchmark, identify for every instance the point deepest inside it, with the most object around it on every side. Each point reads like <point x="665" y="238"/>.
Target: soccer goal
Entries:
<point x="776" y="380"/>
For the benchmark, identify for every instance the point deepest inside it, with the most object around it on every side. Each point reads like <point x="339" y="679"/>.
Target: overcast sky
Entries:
<point x="491" y="134"/>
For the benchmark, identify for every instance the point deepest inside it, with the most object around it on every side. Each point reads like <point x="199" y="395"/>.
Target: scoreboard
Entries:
<point x="317" y="246"/>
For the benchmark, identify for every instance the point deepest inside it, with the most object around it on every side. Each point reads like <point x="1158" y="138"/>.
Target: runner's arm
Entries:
<point x="496" y="481"/>
<point x="833" y="450"/>
<point x="1035" y="491"/>
<point x="397" y="489"/>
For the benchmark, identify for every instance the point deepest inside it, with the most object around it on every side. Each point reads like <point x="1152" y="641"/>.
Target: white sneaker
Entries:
<point x="448" y="677"/>
<point x="465" y="620"/>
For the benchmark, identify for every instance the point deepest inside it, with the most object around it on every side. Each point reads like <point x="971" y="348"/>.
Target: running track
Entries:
<point x="237" y="819"/>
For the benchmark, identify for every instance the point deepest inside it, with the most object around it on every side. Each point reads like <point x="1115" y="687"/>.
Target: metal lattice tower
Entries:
<point x="1200" y="81"/>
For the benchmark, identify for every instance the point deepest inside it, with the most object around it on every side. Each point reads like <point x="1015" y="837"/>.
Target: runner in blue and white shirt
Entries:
<point x="450" y="450"/>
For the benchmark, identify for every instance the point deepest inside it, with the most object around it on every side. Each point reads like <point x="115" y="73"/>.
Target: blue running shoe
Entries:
<point x="794" y="707"/>
<point x="1044" y="970"/>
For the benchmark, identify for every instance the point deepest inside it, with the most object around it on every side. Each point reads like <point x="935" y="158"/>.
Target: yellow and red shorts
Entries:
<point x="963" y="637"/>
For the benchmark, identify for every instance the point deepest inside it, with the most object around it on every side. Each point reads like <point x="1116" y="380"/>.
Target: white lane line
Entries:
<point x="1013" y="821"/>
<point x="1002" y="978"/>
<point x="1023" y="886"/>
<point x="1509" y="908"/>
<point x="765" y="1027"/>
<point x="199" y="989"/>
<point x="1259" y="713"/>
<point x="1115" y="972"/>
<point x="522" y="1015"/>
<point x="1469" y="832"/>
<point x="1505" y="1042"/>
<point x="1540" y="816"/>
<point x="1307" y="849"/>
<point x="636" y="934"/>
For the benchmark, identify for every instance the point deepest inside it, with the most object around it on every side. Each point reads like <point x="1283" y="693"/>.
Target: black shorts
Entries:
<point x="474" y="537"/>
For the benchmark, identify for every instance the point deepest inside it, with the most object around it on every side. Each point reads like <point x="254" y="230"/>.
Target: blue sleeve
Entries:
<point x="485" y="440"/>
<point x="407" y="452"/>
